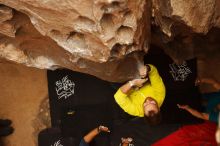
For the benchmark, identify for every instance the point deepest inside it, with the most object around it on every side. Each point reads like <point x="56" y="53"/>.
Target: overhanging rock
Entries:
<point x="99" y="37"/>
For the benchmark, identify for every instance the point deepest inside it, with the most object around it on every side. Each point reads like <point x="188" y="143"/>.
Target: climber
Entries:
<point x="144" y="96"/>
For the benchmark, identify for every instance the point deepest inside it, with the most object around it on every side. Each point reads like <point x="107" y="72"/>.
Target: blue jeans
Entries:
<point x="83" y="143"/>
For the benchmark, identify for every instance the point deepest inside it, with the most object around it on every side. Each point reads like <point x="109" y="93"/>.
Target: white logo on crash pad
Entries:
<point x="179" y="72"/>
<point x="57" y="143"/>
<point x="65" y="88"/>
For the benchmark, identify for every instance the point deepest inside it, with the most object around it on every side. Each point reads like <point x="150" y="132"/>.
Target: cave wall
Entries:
<point x="198" y="15"/>
<point x="186" y="28"/>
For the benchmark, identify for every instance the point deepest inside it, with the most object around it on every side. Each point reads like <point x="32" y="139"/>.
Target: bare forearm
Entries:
<point x="197" y="114"/>
<point x="133" y="83"/>
<point x="213" y="82"/>
<point x="208" y="80"/>
<point x="91" y="135"/>
<point x="126" y="87"/>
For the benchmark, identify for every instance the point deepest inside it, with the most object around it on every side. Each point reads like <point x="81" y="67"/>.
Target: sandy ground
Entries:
<point x="22" y="89"/>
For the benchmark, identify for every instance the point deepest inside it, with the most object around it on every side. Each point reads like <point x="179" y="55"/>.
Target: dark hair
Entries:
<point x="153" y="118"/>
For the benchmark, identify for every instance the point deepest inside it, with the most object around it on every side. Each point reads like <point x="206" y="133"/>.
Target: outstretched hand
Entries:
<point x="210" y="81"/>
<point x="103" y="129"/>
<point x="185" y="107"/>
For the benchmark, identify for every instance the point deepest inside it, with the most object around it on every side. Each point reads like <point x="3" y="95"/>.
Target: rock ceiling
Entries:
<point x="105" y="38"/>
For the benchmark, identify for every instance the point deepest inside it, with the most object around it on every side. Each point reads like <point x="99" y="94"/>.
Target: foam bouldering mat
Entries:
<point x="52" y="137"/>
<point x="79" y="103"/>
<point x="84" y="119"/>
<point x="69" y="89"/>
<point x="142" y="133"/>
<point x="177" y="77"/>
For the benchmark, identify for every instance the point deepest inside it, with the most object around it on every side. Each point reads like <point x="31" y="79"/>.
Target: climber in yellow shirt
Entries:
<point x="143" y="97"/>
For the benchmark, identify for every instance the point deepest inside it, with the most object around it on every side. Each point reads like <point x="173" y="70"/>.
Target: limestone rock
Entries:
<point x="31" y="48"/>
<point x="92" y="29"/>
<point x="7" y="27"/>
<point x="105" y="38"/>
<point x="5" y="13"/>
<point x="91" y="36"/>
<point x="198" y="15"/>
<point x="179" y="24"/>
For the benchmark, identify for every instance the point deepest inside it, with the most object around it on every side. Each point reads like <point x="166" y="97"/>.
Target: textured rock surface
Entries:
<point x="186" y="28"/>
<point x="199" y="15"/>
<point x="98" y="32"/>
<point x="7" y="27"/>
<point x="105" y="37"/>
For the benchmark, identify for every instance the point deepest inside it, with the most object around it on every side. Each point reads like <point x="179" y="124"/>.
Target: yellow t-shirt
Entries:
<point x="132" y="103"/>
